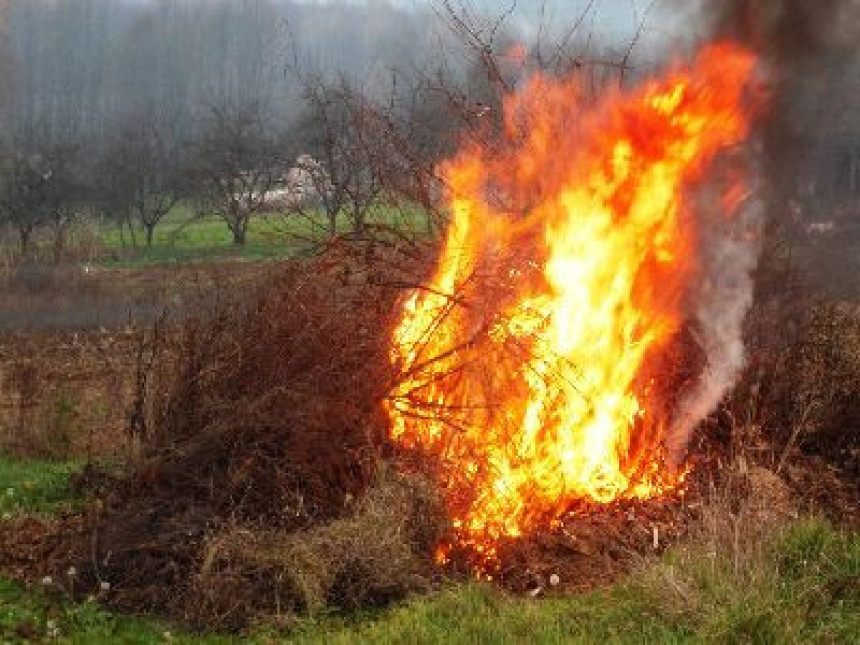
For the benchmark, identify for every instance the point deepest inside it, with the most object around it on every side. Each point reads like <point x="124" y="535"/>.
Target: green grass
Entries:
<point x="185" y="237"/>
<point x="803" y="586"/>
<point x="812" y="596"/>
<point x="31" y="616"/>
<point x="809" y="592"/>
<point x="34" y="486"/>
<point x="479" y="614"/>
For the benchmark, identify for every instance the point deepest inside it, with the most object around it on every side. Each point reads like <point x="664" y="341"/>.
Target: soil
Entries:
<point x="69" y="349"/>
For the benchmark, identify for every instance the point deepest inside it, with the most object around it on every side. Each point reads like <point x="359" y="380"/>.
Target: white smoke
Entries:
<point x="729" y="254"/>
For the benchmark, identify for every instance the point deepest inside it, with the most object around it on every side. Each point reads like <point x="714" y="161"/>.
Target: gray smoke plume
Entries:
<point x="807" y="50"/>
<point x="729" y="254"/>
<point x="787" y="33"/>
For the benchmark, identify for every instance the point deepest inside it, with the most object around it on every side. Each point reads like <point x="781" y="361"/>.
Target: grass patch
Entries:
<point x="28" y="615"/>
<point x="481" y="614"/>
<point x="798" y="584"/>
<point x="28" y="486"/>
<point x="184" y="236"/>
<point x="807" y="590"/>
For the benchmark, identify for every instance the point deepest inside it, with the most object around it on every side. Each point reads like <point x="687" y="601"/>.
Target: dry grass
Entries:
<point x="376" y="554"/>
<point x="728" y="545"/>
<point x="70" y="347"/>
<point x="65" y="395"/>
<point x="262" y="492"/>
<point x="751" y="572"/>
<point x="263" y="421"/>
<point x="799" y="390"/>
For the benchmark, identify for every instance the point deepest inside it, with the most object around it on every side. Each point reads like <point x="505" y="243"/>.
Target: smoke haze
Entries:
<point x="808" y="53"/>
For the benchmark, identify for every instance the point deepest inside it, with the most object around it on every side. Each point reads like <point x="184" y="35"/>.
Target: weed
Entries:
<point x="31" y="616"/>
<point x="739" y="579"/>
<point x="34" y="486"/>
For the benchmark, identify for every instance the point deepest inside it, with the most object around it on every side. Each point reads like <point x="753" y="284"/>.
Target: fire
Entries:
<point x="530" y="362"/>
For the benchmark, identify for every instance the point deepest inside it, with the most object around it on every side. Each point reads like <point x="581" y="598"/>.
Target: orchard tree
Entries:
<point x="235" y="165"/>
<point x="140" y="175"/>
<point x="23" y="195"/>
<point x="336" y="130"/>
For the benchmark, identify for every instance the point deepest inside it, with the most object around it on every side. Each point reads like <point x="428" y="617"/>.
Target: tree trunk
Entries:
<point x="358" y="218"/>
<point x="239" y="232"/>
<point x="59" y="242"/>
<point x="332" y="223"/>
<point x="150" y="233"/>
<point x="24" y="240"/>
<point x="130" y="223"/>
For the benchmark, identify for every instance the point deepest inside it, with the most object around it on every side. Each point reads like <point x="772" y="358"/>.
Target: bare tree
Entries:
<point x="65" y="189"/>
<point x="23" y="194"/>
<point x="41" y="184"/>
<point x="235" y="166"/>
<point x="333" y="132"/>
<point x="140" y="175"/>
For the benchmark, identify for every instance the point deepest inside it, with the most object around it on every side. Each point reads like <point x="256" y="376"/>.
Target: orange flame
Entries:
<point x="528" y="361"/>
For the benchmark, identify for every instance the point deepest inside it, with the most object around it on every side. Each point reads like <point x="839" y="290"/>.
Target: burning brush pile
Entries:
<point x="587" y="308"/>
<point x="526" y="414"/>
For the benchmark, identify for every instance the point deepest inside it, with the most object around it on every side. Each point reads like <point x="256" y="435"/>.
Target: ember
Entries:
<point x="531" y="361"/>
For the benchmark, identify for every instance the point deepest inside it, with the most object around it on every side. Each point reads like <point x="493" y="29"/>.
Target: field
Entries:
<point x="429" y="322"/>
<point x="184" y="236"/>
<point x="90" y="348"/>
<point x="799" y="586"/>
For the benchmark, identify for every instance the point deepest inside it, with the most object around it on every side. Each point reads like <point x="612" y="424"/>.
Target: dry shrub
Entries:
<point x="828" y="378"/>
<point x="44" y="417"/>
<point x="800" y="388"/>
<point x="264" y="422"/>
<point x="273" y="409"/>
<point x="65" y="394"/>
<point x="376" y="554"/>
<point x="727" y="544"/>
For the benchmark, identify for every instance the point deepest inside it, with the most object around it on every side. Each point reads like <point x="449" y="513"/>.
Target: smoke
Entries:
<point x="809" y="52"/>
<point x="729" y="254"/>
<point x="805" y="49"/>
<point x="787" y="33"/>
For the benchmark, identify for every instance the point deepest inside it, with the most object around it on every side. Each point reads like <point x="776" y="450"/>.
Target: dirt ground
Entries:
<point x="78" y="297"/>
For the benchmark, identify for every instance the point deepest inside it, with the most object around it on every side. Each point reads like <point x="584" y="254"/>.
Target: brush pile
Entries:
<point x="263" y="446"/>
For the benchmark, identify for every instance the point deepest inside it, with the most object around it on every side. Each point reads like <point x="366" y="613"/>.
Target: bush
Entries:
<point x="750" y="574"/>
<point x="799" y="390"/>
<point x="262" y="432"/>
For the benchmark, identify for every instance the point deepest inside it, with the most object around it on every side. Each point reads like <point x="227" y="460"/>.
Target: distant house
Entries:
<point x="821" y="228"/>
<point x="303" y="185"/>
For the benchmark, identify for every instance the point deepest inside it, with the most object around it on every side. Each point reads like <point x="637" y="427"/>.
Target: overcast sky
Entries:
<point x="618" y="17"/>
<point x="615" y="18"/>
